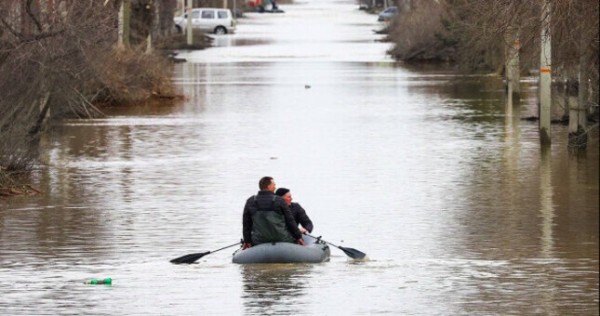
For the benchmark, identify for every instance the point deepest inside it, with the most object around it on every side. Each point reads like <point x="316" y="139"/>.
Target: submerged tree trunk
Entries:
<point x="512" y="62"/>
<point x="154" y="32"/>
<point x="43" y="115"/>
<point x="578" y="108"/>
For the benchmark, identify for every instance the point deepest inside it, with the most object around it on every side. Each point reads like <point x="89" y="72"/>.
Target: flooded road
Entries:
<point x="428" y="172"/>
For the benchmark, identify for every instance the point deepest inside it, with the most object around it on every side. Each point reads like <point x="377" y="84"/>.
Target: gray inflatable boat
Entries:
<point x="313" y="251"/>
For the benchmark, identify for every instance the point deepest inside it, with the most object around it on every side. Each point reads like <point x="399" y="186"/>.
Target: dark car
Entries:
<point x="388" y="14"/>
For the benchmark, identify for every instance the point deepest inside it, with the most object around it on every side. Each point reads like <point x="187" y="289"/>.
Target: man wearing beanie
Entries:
<point x="297" y="211"/>
<point x="267" y="218"/>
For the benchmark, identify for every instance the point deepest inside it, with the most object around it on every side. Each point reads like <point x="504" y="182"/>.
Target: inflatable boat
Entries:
<point x="313" y="251"/>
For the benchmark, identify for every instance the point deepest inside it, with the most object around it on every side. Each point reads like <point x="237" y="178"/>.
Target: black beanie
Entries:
<point x="282" y="191"/>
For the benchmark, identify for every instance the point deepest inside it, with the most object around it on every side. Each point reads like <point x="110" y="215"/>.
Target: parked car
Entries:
<point x="388" y="14"/>
<point x="209" y="20"/>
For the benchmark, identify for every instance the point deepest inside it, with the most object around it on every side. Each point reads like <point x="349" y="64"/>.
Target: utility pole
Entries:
<point x="188" y="27"/>
<point x="124" y="18"/>
<point x="545" y="108"/>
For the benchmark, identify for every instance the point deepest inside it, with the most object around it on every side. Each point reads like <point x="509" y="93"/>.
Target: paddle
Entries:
<point x="350" y="252"/>
<point x="192" y="257"/>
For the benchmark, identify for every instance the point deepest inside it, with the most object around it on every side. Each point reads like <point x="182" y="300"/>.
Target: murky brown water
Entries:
<point x="430" y="173"/>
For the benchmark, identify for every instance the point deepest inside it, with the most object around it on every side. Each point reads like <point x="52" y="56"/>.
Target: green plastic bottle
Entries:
<point x="107" y="281"/>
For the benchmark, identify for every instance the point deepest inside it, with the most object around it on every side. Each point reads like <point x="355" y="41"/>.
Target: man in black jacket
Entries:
<point x="297" y="211"/>
<point x="267" y="218"/>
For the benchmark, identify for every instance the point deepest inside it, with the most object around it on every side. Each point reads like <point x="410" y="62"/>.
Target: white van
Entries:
<point x="208" y="20"/>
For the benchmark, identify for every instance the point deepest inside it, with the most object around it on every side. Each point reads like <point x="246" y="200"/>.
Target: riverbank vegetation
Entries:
<point x="487" y="35"/>
<point x="62" y="59"/>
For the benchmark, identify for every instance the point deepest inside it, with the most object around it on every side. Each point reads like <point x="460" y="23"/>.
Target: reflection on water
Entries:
<point x="275" y="289"/>
<point x="431" y="173"/>
<point x="546" y="202"/>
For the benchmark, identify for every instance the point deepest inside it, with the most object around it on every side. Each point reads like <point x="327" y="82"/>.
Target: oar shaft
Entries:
<point x="237" y="243"/>
<point x="350" y="252"/>
<point x="192" y="257"/>
<point x="321" y="239"/>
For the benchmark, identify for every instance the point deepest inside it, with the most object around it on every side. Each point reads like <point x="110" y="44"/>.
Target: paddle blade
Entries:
<point x="353" y="253"/>
<point x="191" y="258"/>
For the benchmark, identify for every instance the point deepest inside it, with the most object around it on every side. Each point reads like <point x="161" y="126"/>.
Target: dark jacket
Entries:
<point x="300" y="216"/>
<point x="267" y="218"/>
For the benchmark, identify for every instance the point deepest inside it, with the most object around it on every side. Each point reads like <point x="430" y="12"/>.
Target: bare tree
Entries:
<point x="574" y="32"/>
<point x="416" y="32"/>
<point x="47" y="55"/>
<point x="58" y="58"/>
<point x="481" y="34"/>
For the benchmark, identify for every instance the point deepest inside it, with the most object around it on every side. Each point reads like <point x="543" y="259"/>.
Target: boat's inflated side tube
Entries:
<point x="313" y="251"/>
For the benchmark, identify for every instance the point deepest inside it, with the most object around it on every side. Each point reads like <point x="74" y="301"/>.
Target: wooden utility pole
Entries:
<point x="545" y="108"/>
<point x="188" y="27"/>
<point x="124" y="18"/>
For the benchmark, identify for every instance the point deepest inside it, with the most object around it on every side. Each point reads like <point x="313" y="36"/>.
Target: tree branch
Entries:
<point x="10" y="29"/>
<point x="32" y="16"/>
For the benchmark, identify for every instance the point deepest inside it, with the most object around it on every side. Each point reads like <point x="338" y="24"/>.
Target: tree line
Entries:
<point x="60" y="58"/>
<point x="505" y="36"/>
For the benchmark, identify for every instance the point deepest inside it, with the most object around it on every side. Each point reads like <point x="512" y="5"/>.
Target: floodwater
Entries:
<point x="430" y="173"/>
